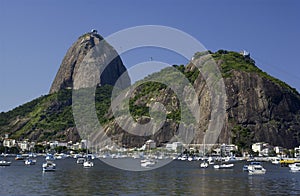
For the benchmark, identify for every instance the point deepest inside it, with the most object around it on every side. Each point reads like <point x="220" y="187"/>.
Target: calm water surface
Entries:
<point x="176" y="178"/>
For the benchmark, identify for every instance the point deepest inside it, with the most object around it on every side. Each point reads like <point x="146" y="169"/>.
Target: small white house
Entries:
<point x="297" y="152"/>
<point x="150" y="144"/>
<point x="278" y="149"/>
<point x="177" y="146"/>
<point x="25" y="145"/>
<point x="9" y="143"/>
<point x="263" y="149"/>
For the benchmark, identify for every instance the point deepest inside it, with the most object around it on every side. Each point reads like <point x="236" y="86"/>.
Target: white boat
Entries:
<point x="256" y="168"/>
<point x="32" y="155"/>
<point x="88" y="164"/>
<point x="224" y="166"/>
<point x="80" y="160"/>
<point x="295" y="167"/>
<point x="183" y="158"/>
<point x="204" y="164"/>
<point x="30" y="162"/>
<point x="19" y="157"/>
<point x="50" y="157"/>
<point x="275" y="161"/>
<point x="147" y="163"/>
<point x="49" y="166"/>
<point x="211" y="161"/>
<point x="5" y="163"/>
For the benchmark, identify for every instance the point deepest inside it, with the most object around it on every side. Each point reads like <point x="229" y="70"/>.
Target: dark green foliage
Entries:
<point x="144" y="93"/>
<point x="235" y="61"/>
<point x="242" y="137"/>
<point x="19" y="111"/>
<point x="51" y="114"/>
<point x="190" y="75"/>
<point x="102" y="102"/>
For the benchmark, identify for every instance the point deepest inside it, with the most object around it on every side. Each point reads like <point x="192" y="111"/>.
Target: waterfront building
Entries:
<point x="9" y="143"/>
<point x="227" y="149"/>
<point x="297" y="152"/>
<point x="150" y="144"/>
<point x="262" y="148"/>
<point x="278" y="150"/>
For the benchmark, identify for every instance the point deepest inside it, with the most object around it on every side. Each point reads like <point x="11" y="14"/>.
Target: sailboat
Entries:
<point x="87" y="163"/>
<point x="204" y="164"/>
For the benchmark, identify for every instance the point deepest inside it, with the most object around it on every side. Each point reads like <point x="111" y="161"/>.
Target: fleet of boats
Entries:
<point x="254" y="167"/>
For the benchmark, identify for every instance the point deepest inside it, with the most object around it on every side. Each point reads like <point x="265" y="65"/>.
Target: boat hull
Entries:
<point x="5" y="163"/>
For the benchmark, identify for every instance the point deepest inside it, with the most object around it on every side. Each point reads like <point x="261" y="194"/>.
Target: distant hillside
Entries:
<point x="258" y="108"/>
<point x="50" y="117"/>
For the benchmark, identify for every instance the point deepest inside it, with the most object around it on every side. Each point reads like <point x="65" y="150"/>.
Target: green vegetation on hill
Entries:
<point x="235" y="61"/>
<point x="50" y="115"/>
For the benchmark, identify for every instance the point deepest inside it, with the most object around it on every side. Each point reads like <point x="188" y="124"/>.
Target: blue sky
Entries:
<point x="35" y="35"/>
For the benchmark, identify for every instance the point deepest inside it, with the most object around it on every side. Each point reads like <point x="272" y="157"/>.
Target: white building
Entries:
<point x="257" y="147"/>
<point x="263" y="149"/>
<point x="297" y="152"/>
<point x="9" y="143"/>
<point x="53" y="144"/>
<point x="25" y="145"/>
<point x="177" y="146"/>
<point x="76" y="146"/>
<point x="83" y="144"/>
<point x="278" y="149"/>
<point x="227" y="149"/>
<point x="150" y="144"/>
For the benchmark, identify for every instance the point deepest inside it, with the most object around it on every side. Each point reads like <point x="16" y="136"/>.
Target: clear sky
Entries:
<point x="35" y="35"/>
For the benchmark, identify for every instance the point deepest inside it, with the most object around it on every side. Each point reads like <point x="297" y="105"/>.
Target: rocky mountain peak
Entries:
<point x="74" y="57"/>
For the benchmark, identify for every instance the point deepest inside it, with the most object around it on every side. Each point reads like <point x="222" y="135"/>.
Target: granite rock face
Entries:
<point x="259" y="108"/>
<point x="269" y="111"/>
<point x="90" y="47"/>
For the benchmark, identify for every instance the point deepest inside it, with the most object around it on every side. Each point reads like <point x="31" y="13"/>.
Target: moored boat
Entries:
<point x="19" y="157"/>
<point x="88" y="164"/>
<point x="224" y="166"/>
<point x="204" y="164"/>
<point x="5" y="163"/>
<point x="147" y="163"/>
<point x="30" y="161"/>
<point x="50" y="157"/>
<point x="295" y="167"/>
<point x="80" y="160"/>
<point x="256" y="168"/>
<point x="49" y="166"/>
